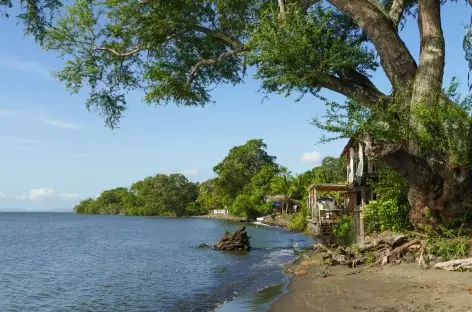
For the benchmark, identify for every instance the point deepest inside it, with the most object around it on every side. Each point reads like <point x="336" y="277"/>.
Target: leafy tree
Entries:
<point x="240" y="165"/>
<point x="177" y="51"/>
<point x="211" y="196"/>
<point x="166" y="194"/>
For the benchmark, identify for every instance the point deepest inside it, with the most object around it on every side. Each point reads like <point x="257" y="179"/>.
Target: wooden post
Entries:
<point x="361" y="219"/>
<point x="315" y="205"/>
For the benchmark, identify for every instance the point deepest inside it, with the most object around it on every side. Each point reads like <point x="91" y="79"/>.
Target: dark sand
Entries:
<point x="389" y="289"/>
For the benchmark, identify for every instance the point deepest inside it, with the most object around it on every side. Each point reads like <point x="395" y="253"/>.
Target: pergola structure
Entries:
<point x="323" y="218"/>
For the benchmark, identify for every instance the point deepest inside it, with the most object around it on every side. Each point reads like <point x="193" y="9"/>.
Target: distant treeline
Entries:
<point x="244" y="179"/>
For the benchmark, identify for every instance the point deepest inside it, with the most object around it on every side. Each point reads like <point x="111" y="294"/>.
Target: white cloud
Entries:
<point x="313" y="158"/>
<point x="2" y="195"/>
<point x="68" y="196"/>
<point x="41" y="193"/>
<point x="62" y="124"/>
<point x="7" y="113"/>
<point x="189" y="172"/>
<point x="20" y="197"/>
<point x="7" y="61"/>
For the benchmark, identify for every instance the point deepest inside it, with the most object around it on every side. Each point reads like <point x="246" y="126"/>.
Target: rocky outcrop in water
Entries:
<point x="238" y="241"/>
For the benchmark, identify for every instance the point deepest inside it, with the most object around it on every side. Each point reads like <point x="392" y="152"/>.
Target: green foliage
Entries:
<point x="36" y="14"/>
<point x="391" y="210"/>
<point x="241" y="165"/>
<point x="211" y="196"/>
<point x="383" y="215"/>
<point x="194" y="209"/>
<point x="248" y="171"/>
<point x="370" y="258"/>
<point x="448" y="248"/>
<point x="298" y="223"/>
<point x="171" y="195"/>
<point x="244" y="206"/>
<point x="112" y="47"/>
<point x="343" y="230"/>
<point x="448" y="243"/>
<point x="292" y="56"/>
<point x="440" y="130"/>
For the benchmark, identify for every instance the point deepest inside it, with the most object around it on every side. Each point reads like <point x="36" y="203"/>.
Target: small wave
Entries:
<point x="260" y="223"/>
<point x="274" y="258"/>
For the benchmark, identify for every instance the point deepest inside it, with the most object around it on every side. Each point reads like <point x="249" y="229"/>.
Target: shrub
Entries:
<point x="299" y="223"/>
<point x="194" y="209"/>
<point x="343" y="230"/>
<point x="448" y="243"/>
<point x="448" y="248"/>
<point x="243" y="206"/>
<point x="383" y="215"/>
<point x="370" y="258"/>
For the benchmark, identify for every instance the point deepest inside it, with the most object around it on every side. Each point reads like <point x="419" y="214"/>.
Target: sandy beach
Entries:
<point x="399" y="288"/>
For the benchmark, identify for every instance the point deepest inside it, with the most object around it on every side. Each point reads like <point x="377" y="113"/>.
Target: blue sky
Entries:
<point x="54" y="152"/>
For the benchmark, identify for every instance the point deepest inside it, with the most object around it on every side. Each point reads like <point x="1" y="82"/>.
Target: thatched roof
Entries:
<point x="274" y="198"/>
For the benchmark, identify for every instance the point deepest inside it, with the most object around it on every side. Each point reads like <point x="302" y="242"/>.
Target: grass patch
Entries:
<point x="448" y="248"/>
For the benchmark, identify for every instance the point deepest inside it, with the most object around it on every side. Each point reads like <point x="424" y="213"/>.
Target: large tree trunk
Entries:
<point x="438" y="193"/>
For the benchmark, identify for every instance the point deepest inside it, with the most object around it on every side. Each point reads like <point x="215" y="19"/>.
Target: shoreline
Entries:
<point x="221" y="217"/>
<point x="396" y="288"/>
<point x="276" y="290"/>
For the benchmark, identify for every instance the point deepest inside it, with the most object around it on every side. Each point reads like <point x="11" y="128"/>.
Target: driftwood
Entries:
<point x="388" y="247"/>
<point x="238" y="241"/>
<point x="455" y="265"/>
<point x="399" y="250"/>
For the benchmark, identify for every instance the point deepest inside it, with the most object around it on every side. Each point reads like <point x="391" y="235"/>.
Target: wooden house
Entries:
<point x="357" y="191"/>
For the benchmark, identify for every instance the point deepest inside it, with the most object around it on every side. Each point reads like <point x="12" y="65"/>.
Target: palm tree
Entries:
<point x="283" y="187"/>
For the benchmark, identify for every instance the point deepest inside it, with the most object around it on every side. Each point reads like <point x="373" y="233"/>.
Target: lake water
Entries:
<point x="66" y="262"/>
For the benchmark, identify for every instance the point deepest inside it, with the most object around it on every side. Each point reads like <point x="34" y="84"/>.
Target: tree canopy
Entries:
<point x="241" y="164"/>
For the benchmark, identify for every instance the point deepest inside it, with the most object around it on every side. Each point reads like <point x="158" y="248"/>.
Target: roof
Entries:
<point x="347" y="147"/>
<point x="333" y="187"/>
<point x="274" y="198"/>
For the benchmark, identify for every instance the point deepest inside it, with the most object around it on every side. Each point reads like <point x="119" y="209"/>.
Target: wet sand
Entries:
<point x="400" y="288"/>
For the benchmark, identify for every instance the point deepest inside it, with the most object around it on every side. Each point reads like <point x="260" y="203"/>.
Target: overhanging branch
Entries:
<point x="218" y="34"/>
<point x="123" y="54"/>
<point x="397" y="62"/>
<point x="219" y="59"/>
<point x="396" y="12"/>
<point x="281" y="9"/>
<point x="355" y="88"/>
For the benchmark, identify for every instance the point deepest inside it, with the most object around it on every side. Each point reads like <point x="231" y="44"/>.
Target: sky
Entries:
<point x="53" y="152"/>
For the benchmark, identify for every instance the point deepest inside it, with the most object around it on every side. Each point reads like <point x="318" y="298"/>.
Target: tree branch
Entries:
<point x="353" y="86"/>
<point x="428" y="80"/>
<point x="220" y="35"/>
<point x="397" y="62"/>
<point x="219" y="59"/>
<point x="124" y="54"/>
<point x="282" y="9"/>
<point x="396" y="12"/>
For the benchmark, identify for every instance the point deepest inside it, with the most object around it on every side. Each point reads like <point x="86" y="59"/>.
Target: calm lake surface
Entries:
<point x="67" y="262"/>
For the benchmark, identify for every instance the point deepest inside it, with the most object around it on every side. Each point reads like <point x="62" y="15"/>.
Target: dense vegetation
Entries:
<point x="248" y="181"/>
